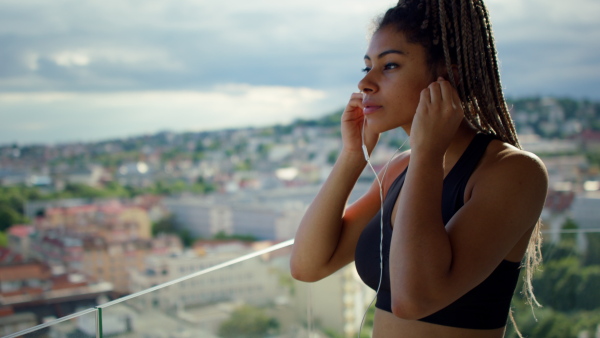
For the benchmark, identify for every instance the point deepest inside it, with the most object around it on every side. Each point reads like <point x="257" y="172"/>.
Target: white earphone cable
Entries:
<point x="380" y="182"/>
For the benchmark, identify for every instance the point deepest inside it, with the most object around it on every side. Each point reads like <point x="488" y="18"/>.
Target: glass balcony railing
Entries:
<point x="255" y="296"/>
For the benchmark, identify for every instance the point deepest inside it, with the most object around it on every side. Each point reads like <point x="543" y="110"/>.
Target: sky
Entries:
<point x="80" y="71"/>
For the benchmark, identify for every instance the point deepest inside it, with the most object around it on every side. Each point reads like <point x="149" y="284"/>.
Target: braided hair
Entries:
<point x="458" y="34"/>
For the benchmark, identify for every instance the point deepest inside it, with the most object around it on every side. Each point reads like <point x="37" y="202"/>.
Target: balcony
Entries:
<point x="254" y="296"/>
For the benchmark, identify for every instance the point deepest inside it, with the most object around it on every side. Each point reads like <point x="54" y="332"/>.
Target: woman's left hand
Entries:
<point x="438" y="116"/>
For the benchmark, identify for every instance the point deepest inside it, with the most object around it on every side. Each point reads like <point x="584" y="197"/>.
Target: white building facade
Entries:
<point x="253" y="281"/>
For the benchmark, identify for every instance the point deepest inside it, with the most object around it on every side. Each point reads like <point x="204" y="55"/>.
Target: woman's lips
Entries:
<point x="370" y="109"/>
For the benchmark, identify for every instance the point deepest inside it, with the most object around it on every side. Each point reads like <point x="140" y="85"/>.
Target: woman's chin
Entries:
<point x="382" y="128"/>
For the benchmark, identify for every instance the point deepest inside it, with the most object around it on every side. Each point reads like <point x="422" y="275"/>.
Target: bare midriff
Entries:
<point x="387" y="325"/>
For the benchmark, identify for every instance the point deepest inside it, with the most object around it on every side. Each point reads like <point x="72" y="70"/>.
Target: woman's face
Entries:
<point x="396" y="72"/>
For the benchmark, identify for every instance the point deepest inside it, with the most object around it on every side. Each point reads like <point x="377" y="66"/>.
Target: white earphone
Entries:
<point x="380" y="182"/>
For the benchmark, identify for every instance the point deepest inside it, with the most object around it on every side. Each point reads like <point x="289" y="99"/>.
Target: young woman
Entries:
<point x="461" y="208"/>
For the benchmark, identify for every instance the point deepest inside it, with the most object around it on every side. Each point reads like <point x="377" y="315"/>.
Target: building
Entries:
<point x="253" y="281"/>
<point x="564" y="171"/>
<point x="113" y="261"/>
<point x="11" y="322"/>
<point x="60" y="248"/>
<point x="102" y="258"/>
<point x="266" y="215"/>
<point x="86" y="175"/>
<point x="19" y="239"/>
<point x="270" y="214"/>
<point x="263" y="221"/>
<point x="556" y="212"/>
<point x="32" y="291"/>
<point x="111" y="220"/>
<point x="203" y="217"/>
<point x="585" y="210"/>
<point x="337" y="303"/>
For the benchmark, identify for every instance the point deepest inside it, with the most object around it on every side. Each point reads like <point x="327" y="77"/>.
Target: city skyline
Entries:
<point x="75" y="71"/>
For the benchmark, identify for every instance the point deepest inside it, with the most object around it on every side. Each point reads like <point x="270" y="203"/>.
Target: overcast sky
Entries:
<point x="85" y="70"/>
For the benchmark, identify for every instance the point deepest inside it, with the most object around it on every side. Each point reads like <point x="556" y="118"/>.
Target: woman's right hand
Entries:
<point x="352" y="127"/>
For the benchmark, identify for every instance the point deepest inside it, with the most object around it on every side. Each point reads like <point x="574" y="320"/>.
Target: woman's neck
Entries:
<point x="461" y="140"/>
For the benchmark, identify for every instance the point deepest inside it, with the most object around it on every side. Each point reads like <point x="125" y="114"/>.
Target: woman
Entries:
<point x="461" y="208"/>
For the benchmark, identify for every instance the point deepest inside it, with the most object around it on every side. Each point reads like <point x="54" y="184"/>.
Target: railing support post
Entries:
<point x="98" y="322"/>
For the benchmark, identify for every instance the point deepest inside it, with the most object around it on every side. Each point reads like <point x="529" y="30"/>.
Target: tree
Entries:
<point x="589" y="296"/>
<point x="592" y="253"/>
<point x="569" y="225"/>
<point x="164" y="225"/>
<point x="168" y="225"/>
<point x="332" y="156"/>
<point x="3" y="240"/>
<point x="250" y="322"/>
<point x="557" y="325"/>
<point x="221" y="235"/>
<point x="187" y="239"/>
<point x="9" y="217"/>
<point x="556" y="286"/>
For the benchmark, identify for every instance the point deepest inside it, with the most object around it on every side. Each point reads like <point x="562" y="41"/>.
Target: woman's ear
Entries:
<point x="455" y="73"/>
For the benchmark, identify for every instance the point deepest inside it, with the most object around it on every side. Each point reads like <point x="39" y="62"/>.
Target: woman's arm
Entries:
<point x="431" y="265"/>
<point x="327" y="236"/>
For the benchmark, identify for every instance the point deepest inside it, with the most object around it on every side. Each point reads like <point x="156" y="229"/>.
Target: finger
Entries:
<point x="456" y="100"/>
<point x="436" y="95"/>
<point x="355" y="100"/>
<point x="445" y="88"/>
<point x="425" y="96"/>
<point x="356" y="96"/>
<point x="448" y="93"/>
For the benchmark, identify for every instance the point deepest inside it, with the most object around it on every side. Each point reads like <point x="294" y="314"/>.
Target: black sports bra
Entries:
<point x="484" y="307"/>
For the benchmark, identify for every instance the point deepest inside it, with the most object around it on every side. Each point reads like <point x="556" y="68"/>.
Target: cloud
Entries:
<point x="117" y="59"/>
<point x="548" y="47"/>
<point x="157" y="44"/>
<point x="72" y="116"/>
<point x="193" y="45"/>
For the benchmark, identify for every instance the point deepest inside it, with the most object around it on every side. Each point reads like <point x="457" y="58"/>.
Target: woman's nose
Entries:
<point x="366" y="85"/>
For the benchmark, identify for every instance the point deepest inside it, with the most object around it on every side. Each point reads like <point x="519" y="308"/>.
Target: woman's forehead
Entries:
<point x="388" y="38"/>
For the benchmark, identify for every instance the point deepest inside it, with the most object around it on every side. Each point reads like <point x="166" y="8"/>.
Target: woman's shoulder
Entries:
<point x="399" y="163"/>
<point x="394" y="169"/>
<point x="505" y="161"/>
<point x="503" y="153"/>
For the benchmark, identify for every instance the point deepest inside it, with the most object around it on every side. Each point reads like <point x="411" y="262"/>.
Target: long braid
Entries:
<point x="458" y="35"/>
<point x="443" y="31"/>
<point x="467" y="48"/>
<point x="501" y="102"/>
<point x="471" y="50"/>
<point x="460" y="85"/>
<point x="490" y="83"/>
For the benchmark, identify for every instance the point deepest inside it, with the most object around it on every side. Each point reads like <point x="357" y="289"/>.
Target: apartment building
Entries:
<point x="254" y="281"/>
<point x="105" y="259"/>
<point x="113" y="261"/>
<point x="585" y="210"/>
<point x="110" y="220"/>
<point x="336" y="303"/>
<point x="265" y="219"/>
<point x="33" y="291"/>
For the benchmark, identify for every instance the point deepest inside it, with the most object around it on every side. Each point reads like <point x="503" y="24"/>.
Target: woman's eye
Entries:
<point x="366" y="69"/>
<point x="391" y="65"/>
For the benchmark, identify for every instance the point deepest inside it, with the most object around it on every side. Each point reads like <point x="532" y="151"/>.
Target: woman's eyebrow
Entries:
<point x="382" y="54"/>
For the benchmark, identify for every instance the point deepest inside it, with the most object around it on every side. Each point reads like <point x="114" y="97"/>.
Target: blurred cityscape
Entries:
<point x="85" y="223"/>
